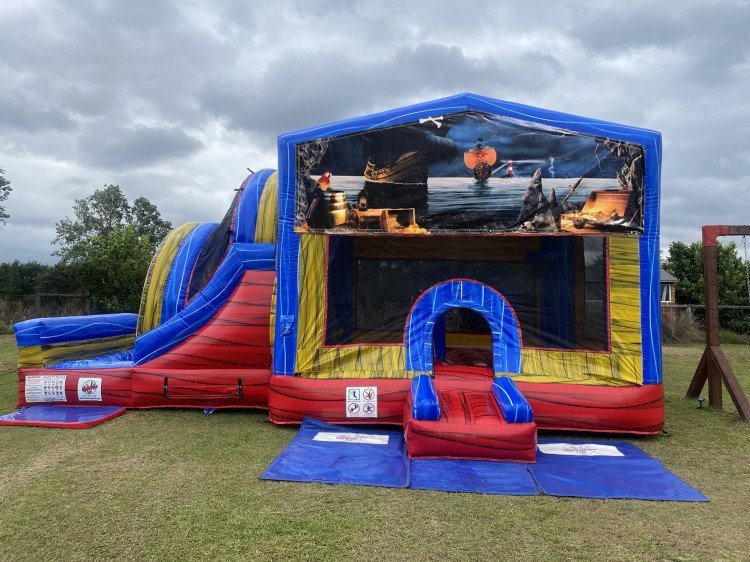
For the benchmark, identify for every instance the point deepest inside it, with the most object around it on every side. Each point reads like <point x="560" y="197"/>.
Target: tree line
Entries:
<point x="104" y="252"/>
<point x="685" y="262"/>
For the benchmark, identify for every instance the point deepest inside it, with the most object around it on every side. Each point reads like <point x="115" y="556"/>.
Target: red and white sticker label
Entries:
<point x="361" y="401"/>
<point x="580" y="449"/>
<point x="47" y="388"/>
<point x="348" y="437"/>
<point x="90" y="388"/>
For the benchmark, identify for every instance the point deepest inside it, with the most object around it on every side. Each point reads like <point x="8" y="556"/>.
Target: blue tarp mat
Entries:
<point x="635" y="475"/>
<point x="79" y="417"/>
<point x="485" y="477"/>
<point x="346" y="457"/>
<point x="351" y="461"/>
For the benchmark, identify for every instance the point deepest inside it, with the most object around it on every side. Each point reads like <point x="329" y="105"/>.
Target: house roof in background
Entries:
<point x="665" y="277"/>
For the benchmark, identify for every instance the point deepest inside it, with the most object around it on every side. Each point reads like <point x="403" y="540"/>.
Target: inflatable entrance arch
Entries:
<point x="462" y="293"/>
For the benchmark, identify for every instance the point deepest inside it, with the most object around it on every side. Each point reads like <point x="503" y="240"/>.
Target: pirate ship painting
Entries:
<point x="480" y="160"/>
<point x="472" y="172"/>
<point x="410" y="168"/>
<point x="401" y="183"/>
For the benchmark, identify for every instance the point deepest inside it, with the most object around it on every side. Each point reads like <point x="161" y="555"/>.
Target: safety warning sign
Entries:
<point x="361" y="401"/>
<point x="47" y="388"/>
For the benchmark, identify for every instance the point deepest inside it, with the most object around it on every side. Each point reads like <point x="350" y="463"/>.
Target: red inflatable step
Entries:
<point x="471" y="426"/>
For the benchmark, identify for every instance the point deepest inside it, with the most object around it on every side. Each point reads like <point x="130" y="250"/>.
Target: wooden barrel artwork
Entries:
<point x="335" y="208"/>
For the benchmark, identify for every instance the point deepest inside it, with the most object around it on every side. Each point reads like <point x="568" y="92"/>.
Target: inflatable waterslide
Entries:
<point x="201" y="338"/>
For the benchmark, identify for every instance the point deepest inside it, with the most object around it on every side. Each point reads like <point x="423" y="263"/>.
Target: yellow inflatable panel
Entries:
<point x="152" y="296"/>
<point x="85" y="349"/>
<point x="267" y="222"/>
<point x="30" y="356"/>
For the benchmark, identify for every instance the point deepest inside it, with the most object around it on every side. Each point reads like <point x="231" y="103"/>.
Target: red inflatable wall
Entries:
<point x="292" y="398"/>
<point x="114" y="386"/>
<point x="632" y="409"/>
<point x="236" y="337"/>
<point x="225" y="364"/>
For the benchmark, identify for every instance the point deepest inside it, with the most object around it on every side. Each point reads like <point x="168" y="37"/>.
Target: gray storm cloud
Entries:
<point x="172" y="100"/>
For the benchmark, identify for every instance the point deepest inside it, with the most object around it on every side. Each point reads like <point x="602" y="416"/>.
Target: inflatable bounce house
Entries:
<point x="469" y="268"/>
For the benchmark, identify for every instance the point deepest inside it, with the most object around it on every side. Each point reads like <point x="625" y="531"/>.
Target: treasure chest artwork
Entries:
<point x="400" y="221"/>
<point x="332" y="212"/>
<point x="603" y="208"/>
<point x="468" y="172"/>
<point x="608" y="209"/>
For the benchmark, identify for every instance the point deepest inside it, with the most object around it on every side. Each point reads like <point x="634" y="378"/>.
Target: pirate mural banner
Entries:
<point x="468" y="172"/>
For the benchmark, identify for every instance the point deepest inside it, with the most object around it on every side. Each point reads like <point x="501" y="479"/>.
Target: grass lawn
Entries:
<point x="179" y="484"/>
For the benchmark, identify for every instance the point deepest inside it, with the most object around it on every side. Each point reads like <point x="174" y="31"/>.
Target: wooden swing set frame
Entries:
<point x="714" y="366"/>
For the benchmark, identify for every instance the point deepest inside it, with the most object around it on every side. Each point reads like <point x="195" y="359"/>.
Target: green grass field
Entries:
<point x="182" y="485"/>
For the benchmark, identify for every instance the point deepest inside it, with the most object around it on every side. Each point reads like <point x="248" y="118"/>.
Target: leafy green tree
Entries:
<point x="104" y="211"/>
<point x="60" y="278"/>
<point x="147" y="221"/>
<point x="5" y="190"/>
<point x="685" y="262"/>
<point x="114" y="268"/>
<point x="108" y="246"/>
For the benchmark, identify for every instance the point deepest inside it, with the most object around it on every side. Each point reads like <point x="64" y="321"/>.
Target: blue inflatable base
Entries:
<point x="332" y="454"/>
<point x="72" y="417"/>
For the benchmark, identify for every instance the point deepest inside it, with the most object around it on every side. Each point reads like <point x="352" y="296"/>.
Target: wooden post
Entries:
<point x="714" y="366"/>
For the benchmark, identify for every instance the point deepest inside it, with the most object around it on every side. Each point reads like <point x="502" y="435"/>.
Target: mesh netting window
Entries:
<point x="556" y="285"/>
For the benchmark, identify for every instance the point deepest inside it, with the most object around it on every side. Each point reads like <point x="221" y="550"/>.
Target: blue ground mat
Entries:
<point x="630" y="475"/>
<point x="321" y="452"/>
<point x="485" y="477"/>
<point x="72" y="417"/>
<point x="332" y="454"/>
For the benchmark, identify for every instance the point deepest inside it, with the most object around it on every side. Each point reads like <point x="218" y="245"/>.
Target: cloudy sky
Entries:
<point x="172" y="100"/>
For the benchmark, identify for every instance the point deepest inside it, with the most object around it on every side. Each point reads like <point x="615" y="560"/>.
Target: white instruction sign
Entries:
<point x="580" y="449"/>
<point x="90" y="388"/>
<point x="361" y="401"/>
<point x="348" y="437"/>
<point x="47" y="388"/>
